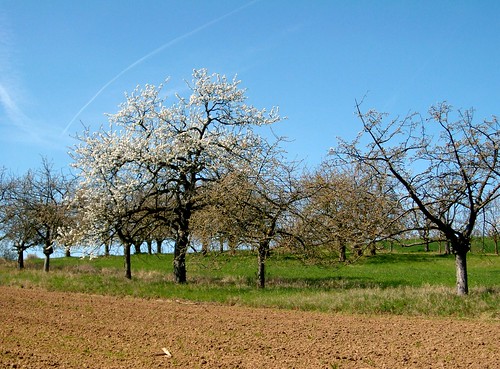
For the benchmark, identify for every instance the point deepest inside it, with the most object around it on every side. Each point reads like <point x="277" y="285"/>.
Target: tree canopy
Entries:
<point x="153" y="161"/>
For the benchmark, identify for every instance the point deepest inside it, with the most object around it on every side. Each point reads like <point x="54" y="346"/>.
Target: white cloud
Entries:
<point x="9" y="97"/>
<point x="10" y="107"/>
<point x="14" y="122"/>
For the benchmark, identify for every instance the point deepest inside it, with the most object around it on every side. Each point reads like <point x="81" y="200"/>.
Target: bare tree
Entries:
<point x="18" y="227"/>
<point x="48" y="206"/>
<point x="35" y="210"/>
<point x="257" y="204"/>
<point x="348" y="211"/>
<point x="446" y="165"/>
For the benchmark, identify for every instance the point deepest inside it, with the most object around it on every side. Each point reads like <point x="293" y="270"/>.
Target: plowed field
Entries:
<point x="40" y="329"/>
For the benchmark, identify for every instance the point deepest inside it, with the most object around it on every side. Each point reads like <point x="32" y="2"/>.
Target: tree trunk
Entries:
<point x="231" y="244"/>
<point x="159" y="242"/>
<point x="137" y="247"/>
<point x="180" y="250"/>
<point x="181" y="242"/>
<point x="205" y="246"/>
<point x="46" y="263"/>
<point x="262" y="255"/>
<point x="106" y="248"/>
<point x="150" y="246"/>
<point x="47" y="251"/>
<point x="128" y="268"/>
<point x="461" y="268"/>
<point x="180" y="263"/>
<point x="426" y="239"/>
<point x="342" y="253"/>
<point x="447" y="250"/>
<point x="67" y="252"/>
<point x="20" y="258"/>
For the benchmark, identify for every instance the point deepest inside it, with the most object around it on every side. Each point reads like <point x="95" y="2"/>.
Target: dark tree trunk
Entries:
<point x="461" y="268"/>
<point x="137" y="248"/>
<point x="47" y="251"/>
<point x="342" y="252"/>
<point x="447" y="250"/>
<point x="180" y="250"/>
<point x="128" y="268"/>
<point x="107" y="246"/>
<point x="67" y="252"/>
<point x="20" y="258"/>
<point x="263" y="251"/>
<point x="150" y="246"/>
<point x="181" y="225"/>
<point x="231" y="244"/>
<point x="159" y="242"/>
<point x="373" y="249"/>
<point x="205" y="245"/>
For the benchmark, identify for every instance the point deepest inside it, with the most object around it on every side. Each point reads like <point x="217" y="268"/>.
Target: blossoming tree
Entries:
<point x="152" y="161"/>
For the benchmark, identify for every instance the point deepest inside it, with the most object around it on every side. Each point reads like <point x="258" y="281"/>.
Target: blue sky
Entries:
<point x="66" y="62"/>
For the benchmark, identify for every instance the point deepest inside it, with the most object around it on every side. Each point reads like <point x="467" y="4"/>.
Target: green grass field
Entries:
<point x="402" y="283"/>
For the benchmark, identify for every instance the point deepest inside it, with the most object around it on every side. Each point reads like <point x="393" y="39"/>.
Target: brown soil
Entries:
<point x="40" y="329"/>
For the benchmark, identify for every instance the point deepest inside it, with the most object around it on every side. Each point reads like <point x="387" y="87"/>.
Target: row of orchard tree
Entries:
<point x="197" y="171"/>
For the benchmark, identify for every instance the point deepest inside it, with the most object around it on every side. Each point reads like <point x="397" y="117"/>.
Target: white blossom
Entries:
<point x="150" y="148"/>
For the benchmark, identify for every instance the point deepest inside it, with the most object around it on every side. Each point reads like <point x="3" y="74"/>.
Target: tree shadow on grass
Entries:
<point x="384" y="258"/>
<point x="332" y="283"/>
<point x="327" y="283"/>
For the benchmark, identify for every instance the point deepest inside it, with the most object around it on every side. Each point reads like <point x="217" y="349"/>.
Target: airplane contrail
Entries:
<point x="154" y="52"/>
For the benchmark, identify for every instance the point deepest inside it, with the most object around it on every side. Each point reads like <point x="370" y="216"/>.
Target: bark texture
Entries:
<point x="461" y="268"/>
